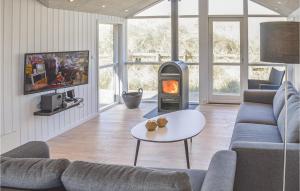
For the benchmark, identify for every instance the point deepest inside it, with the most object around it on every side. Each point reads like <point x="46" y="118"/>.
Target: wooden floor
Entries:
<point x="107" y="139"/>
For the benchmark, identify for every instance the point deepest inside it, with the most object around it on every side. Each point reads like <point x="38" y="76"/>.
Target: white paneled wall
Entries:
<point x="27" y="26"/>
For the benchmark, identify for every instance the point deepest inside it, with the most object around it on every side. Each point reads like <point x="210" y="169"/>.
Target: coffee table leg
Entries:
<point x="187" y="153"/>
<point x="137" y="151"/>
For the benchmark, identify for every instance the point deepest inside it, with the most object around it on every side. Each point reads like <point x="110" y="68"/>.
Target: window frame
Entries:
<point x="114" y="65"/>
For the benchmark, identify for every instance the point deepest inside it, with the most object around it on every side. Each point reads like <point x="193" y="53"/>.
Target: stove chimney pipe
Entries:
<point x="174" y="30"/>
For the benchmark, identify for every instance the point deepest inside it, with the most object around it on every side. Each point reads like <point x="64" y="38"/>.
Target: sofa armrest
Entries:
<point x="34" y="149"/>
<point x="260" y="166"/>
<point x="259" y="96"/>
<point x="269" y="87"/>
<point x="221" y="172"/>
<point x="254" y="84"/>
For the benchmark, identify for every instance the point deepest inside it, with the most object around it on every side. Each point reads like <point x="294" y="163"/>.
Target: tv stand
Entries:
<point x="77" y="102"/>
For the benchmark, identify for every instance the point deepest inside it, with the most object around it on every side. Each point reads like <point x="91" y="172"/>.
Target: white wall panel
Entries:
<point x="26" y="26"/>
<point x="7" y="67"/>
<point x="16" y="78"/>
<point x="1" y="68"/>
<point x="24" y="125"/>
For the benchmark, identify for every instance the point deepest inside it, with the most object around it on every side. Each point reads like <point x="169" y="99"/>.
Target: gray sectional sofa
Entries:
<point x="254" y="161"/>
<point x="258" y="140"/>
<point x="28" y="167"/>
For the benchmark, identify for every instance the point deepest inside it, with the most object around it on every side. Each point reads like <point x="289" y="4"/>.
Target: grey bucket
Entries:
<point x="132" y="99"/>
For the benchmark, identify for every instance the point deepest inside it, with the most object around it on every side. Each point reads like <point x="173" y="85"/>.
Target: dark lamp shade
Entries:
<point x="279" y="42"/>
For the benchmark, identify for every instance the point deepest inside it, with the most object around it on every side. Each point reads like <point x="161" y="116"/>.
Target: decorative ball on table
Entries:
<point x="151" y="125"/>
<point x="162" y="122"/>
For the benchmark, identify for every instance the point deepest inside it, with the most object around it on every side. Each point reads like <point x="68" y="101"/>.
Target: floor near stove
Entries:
<point x="154" y="112"/>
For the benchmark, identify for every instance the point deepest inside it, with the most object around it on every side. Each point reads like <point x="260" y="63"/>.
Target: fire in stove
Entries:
<point x="170" y="86"/>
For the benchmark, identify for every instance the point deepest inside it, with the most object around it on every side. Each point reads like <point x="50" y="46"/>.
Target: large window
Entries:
<point x="226" y="58"/>
<point x="149" y="40"/>
<point x="159" y="9"/>
<point x="226" y="80"/>
<point x="149" y="45"/>
<point x="194" y="83"/>
<point x="107" y="65"/>
<point x="225" y="49"/>
<point x="226" y="7"/>
<point x="145" y="76"/>
<point x="188" y="40"/>
<point x="188" y="7"/>
<point x="256" y="9"/>
<point x="254" y="36"/>
<point x="226" y="42"/>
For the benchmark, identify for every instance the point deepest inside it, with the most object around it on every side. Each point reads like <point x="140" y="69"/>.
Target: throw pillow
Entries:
<point x="293" y="128"/>
<point x="278" y="101"/>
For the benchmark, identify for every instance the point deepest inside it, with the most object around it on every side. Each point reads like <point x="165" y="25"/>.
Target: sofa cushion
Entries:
<point x="33" y="174"/>
<point x="278" y="101"/>
<point x="293" y="131"/>
<point x="196" y="176"/>
<point x="249" y="132"/>
<point x="84" y="176"/>
<point x="256" y="113"/>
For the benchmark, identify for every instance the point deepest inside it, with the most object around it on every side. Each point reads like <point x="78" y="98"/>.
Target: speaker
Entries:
<point x="51" y="102"/>
<point x="71" y="94"/>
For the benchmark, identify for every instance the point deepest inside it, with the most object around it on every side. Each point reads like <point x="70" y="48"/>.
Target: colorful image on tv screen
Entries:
<point x="46" y="71"/>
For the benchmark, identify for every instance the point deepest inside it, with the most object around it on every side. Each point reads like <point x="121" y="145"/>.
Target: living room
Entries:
<point x="193" y="88"/>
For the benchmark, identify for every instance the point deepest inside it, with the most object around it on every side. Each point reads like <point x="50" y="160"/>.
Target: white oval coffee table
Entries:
<point x="182" y="126"/>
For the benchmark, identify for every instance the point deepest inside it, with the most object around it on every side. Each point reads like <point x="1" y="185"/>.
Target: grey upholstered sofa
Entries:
<point x="254" y="164"/>
<point x="28" y="167"/>
<point x="258" y="141"/>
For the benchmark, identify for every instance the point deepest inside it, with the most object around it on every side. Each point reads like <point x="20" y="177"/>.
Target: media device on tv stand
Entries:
<point x="51" y="102"/>
<point x="71" y="94"/>
<point x="68" y="103"/>
<point x="70" y="99"/>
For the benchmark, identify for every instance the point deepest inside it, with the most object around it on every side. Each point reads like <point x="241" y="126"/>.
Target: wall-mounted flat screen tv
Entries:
<point x="54" y="70"/>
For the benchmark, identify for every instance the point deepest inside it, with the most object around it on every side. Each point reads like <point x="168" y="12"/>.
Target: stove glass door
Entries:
<point x="170" y="87"/>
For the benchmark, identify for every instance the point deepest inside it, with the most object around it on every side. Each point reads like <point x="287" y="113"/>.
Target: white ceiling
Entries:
<point x="127" y="8"/>
<point x="120" y="8"/>
<point x="284" y="7"/>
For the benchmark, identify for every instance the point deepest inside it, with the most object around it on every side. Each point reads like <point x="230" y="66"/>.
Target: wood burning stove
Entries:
<point x="173" y="77"/>
<point x="173" y="86"/>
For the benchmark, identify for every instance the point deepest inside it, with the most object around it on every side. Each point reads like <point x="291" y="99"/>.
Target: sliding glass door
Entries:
<point x="225" y="60"/>
<point x="107" y="65"/>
